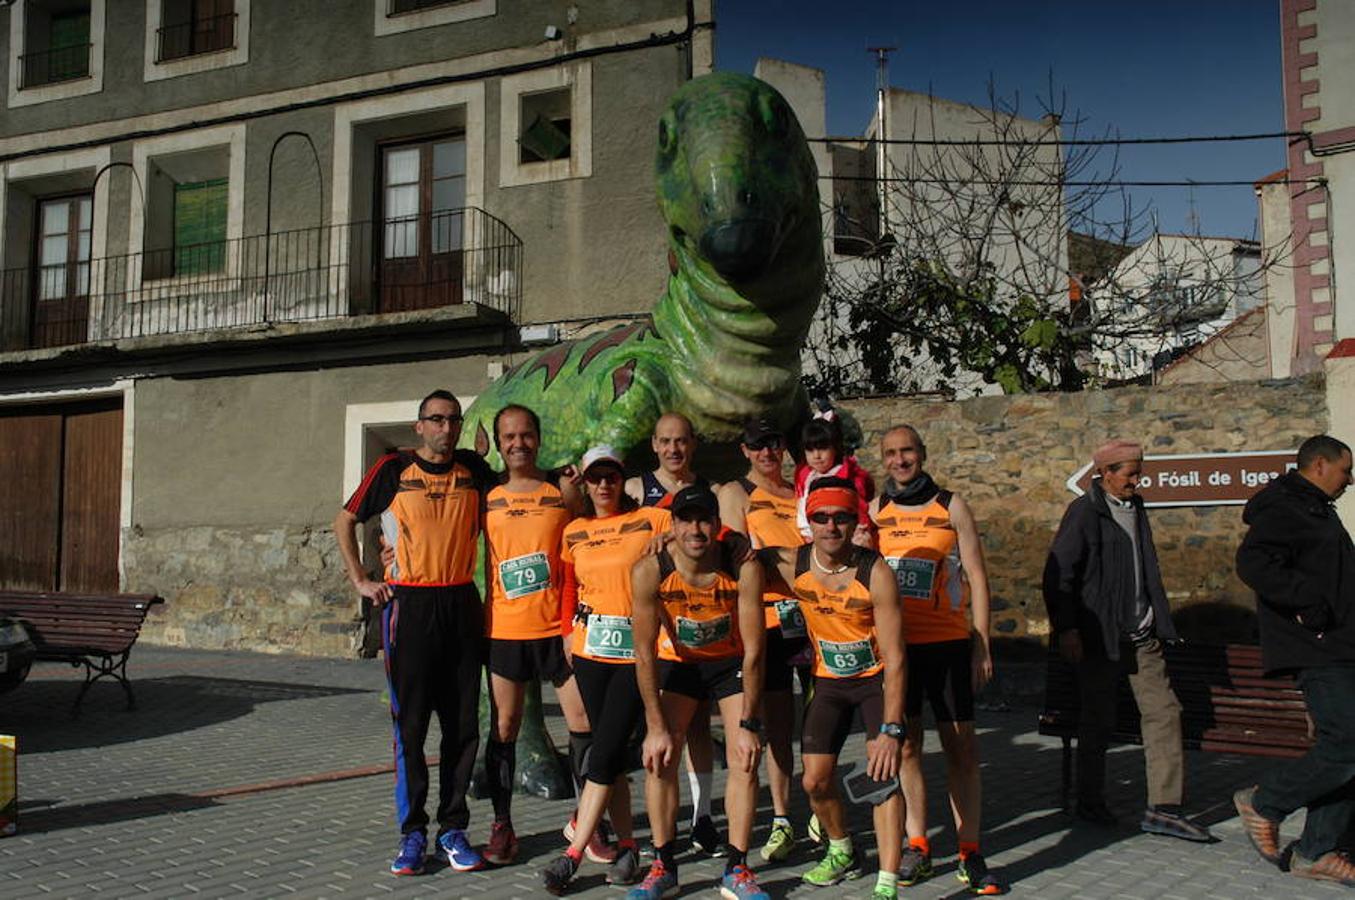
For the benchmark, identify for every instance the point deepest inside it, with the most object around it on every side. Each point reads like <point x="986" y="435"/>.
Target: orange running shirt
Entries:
<point x="602" y="552"/>
<point x="922" y="547"/>
<point x="699" y="624"/>
<point x="770" y="521"/>
<point x="430" y="515"/>
<point x="523" y="571"/>
<point x="841" y="623"/>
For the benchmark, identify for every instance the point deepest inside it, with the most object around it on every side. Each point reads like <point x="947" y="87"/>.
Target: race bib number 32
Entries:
<point x="913" y="575"/>
<point x="847" y="659"/>
<point x="523" y="575"/>
<point x="609" y="637"/>
<point x="702" y="632"/>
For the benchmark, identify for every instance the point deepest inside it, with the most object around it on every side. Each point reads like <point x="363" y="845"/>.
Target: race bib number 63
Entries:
<point x="847" y="659"/>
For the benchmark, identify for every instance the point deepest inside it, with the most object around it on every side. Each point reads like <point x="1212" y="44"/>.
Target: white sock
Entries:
<point x="700" y="783"/>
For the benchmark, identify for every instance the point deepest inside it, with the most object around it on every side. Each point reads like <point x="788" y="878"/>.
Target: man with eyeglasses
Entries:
<point x="851" y="607"/>
<point x="761" y="504"/>
<point x="430" y="502"/>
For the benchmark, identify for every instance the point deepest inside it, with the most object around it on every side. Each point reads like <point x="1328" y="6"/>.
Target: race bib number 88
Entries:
<point x="523" y="575"/>
<point x="609" y="637"/>
<point x="846" y="660"/>
<point x="792" y="620"/>
<point x="914" y="576"/>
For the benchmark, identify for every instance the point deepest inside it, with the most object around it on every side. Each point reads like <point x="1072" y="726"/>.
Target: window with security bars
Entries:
<point x="200" y="227"/>
<point x="398" y="7"/>
<point x="56" y="43"/>
<point x="192" y="27"/>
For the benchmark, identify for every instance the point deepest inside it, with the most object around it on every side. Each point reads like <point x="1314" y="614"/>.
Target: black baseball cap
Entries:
<point x="698" y="497"/>
<point x="761" y="431"/>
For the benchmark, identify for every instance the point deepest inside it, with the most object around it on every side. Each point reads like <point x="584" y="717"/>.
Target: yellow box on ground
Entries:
<point x="9" y="784"/>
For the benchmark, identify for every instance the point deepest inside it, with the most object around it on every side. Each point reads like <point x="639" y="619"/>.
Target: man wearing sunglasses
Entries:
<point x="430" y="502"/>
<point x="762" y="505"/>
<point x="700" y="602"/>
<point x="930" y="540"/>
<point x="851" y="607"/>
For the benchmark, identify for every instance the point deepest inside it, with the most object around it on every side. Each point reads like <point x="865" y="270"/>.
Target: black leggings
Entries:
<point x="611" y="697"/>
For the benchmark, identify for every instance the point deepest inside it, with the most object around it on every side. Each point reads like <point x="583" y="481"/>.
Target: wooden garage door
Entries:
<point x="59" y="510"/>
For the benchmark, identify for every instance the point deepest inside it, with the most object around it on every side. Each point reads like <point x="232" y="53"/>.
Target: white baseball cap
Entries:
<point x="598" y="454"/>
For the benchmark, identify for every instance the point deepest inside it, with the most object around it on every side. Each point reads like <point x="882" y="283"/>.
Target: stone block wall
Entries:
<point x="1011" y="456"/>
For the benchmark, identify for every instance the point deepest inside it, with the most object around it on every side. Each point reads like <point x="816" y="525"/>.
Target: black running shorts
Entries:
<point x="940" y="673"/>
<point x="537" y="659"/>
<point x="828" y="720"/>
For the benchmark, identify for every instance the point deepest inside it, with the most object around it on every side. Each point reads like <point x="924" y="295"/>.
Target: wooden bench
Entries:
<point x="1227" y="705"/>
<point x="93" y="630"/>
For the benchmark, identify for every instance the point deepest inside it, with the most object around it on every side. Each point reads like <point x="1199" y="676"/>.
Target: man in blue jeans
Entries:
<point x="1300" y="561"/>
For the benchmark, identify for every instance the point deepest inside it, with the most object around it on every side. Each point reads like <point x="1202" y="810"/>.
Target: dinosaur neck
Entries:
<point x="736" y="359"/>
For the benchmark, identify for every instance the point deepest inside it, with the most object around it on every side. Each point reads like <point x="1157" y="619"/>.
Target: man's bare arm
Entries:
<point x="345" y="532"/>
<point x="753" y="632"/>
<point x="976" y="571"/>
<point x="884" y="596"/>
<point x="734" y="506"/>
<point x="645" y="629"/>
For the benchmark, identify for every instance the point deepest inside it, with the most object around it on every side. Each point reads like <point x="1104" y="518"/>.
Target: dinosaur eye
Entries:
<point x="772" y="114"/>
<point x="667" y="135"/>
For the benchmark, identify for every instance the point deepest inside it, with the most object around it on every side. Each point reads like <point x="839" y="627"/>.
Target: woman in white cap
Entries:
<point x="599" y="550"/>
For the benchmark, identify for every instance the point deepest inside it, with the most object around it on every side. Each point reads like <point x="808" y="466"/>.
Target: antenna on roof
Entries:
<point x="882" y="136"/>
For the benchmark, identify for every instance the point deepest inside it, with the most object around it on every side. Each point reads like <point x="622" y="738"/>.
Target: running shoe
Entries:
<point x="779" y="842"/>
<point x="626" y="868"/>
<point x="973" y="871"/>
<point x="409" y="861"/>
<point x="558" y="873"/>
<point x="600" y="848"/>
<point x="659" y="883"/>
<point x="836" y="865"/>
<point x="914" y="866"/>
<point x="502" y="848"/>
<point x="706" y="837"/>
<point x="1171" y="823"/>
<point x="1333" y="866"/>
<point x="739" y="884"/>
<point x="884" y="893"/>
<point x="460" y="854"/>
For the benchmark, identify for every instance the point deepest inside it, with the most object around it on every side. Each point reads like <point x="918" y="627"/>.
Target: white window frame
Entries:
<point x="578" y="77"/>
<point x="200" y="62"/>
<point x="62" y="90"/>
<point x="462" y="11"/>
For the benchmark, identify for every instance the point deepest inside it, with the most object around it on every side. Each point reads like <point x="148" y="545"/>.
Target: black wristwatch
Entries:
<point x="892" y="729"/>
<point x="754" y="725"/>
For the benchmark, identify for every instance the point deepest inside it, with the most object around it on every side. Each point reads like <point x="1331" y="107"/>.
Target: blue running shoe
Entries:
<point x="659" y="883"/>
<point x="739" y="884"/>
<point x="460" y="854"/>
<point x="409" y="861"/>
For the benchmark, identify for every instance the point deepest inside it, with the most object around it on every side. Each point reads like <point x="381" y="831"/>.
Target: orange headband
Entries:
<point x="830" y="496"/>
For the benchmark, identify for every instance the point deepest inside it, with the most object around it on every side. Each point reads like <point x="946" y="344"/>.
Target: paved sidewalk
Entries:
<point x="264" y="775"/>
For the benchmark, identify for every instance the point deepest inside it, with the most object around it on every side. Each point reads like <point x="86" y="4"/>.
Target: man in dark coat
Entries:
<point x="1109" y="617"/>
<point x="1299" y="559"/>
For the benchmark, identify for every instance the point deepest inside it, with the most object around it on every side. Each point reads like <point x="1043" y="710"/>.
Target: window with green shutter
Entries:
<point x="200" y="227"/>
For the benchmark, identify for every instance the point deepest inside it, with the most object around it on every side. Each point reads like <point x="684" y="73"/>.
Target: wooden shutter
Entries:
<point x="30" y="504"/>
<point x="200" y="227"/>
<point x="91" y="499"/>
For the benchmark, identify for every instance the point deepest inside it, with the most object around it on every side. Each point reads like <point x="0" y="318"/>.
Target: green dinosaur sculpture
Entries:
<point x="738" y="189"/>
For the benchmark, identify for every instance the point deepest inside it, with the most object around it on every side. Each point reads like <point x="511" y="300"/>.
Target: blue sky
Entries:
<point x="1142" y="68"/>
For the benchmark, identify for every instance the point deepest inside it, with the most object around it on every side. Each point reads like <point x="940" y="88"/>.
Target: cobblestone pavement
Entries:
<point x="265" y="775"/>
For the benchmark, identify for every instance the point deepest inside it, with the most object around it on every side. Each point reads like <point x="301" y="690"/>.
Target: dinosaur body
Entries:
<point x="738" y="190"/>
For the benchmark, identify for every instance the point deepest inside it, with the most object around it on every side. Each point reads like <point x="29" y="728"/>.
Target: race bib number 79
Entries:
<point x="523" y="575"/>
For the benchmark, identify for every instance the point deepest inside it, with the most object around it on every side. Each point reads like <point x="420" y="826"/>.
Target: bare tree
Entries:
<point x="956" y="269"/>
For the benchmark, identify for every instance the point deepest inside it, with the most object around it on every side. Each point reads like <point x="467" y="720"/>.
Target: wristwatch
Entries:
<point x="892" y="729"/>
<point x="754" y="725"/>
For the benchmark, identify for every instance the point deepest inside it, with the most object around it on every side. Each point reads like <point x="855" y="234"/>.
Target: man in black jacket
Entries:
<point x="1299" y="559"/>
<point x="1108" y="614"/>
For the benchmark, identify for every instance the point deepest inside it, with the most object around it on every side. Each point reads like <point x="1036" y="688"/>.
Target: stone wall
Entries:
<point x="1011" y="456"/>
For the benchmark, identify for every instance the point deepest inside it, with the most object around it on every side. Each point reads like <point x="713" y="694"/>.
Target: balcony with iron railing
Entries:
<point x="206" y="35"/>
<point x="329" y="272"/>
<point x="54" y="66"/>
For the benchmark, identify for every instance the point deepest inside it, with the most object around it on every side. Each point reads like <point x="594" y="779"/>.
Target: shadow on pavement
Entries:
<point x="39" y="711"/>
<point x="49" y="817"/>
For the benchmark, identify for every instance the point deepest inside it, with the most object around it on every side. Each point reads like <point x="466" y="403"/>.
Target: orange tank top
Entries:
<point x="523" y="531"/>
<point x="699" y="624"/>
<point x="923" y="549"/>
<point x="603" y="551"/>
<point x="841" y="623"/>
<point x="770" y="521"/>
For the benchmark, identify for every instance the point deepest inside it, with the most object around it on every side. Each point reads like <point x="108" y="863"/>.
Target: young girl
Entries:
<point x="825" y="455"/>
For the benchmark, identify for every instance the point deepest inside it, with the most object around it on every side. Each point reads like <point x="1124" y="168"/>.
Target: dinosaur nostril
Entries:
<point x="747" y="198"/>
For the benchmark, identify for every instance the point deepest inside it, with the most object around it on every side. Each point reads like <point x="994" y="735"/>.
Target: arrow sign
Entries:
<point x="1201" y="479"/>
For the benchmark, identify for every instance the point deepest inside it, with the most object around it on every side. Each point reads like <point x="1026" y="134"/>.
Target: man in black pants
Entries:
<point x="430" y="503"/>
<point x="1299" y="559"/>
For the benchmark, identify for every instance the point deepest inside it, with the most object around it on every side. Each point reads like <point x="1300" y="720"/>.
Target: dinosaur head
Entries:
<point x="737" y="184"/>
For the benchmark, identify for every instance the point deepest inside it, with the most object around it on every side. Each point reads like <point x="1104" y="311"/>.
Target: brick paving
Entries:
<point x="248" y="774"/>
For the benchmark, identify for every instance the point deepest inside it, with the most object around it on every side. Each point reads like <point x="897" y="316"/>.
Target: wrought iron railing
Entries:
<point x="399" y="7"/>
<point x="363" y="268"/>
<point x="192" y="38"/>
<point x="53" y="66"/>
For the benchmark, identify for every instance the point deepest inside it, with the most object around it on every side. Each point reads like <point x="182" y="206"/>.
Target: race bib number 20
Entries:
<point x="609" y="637"/>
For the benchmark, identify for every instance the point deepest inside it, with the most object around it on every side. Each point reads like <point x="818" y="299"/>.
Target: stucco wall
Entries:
<point x="1010" y="457"/>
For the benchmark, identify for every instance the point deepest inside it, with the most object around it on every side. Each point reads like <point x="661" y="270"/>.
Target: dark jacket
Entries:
<point x="1089" y="576"/>
<point x="1298" y="558"/>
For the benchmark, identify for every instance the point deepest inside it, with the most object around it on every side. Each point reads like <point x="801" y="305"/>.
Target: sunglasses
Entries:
<point x="604" y="477"/>
<point x="439" y="421"/>
<point x="842" y="518"/>
<point x="767" y="443"/>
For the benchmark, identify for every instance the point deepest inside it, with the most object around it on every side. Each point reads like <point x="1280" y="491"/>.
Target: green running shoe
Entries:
<point x="884" y="893"/>
<point x="834" y="867"/>
<point x="779" y="842"/>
